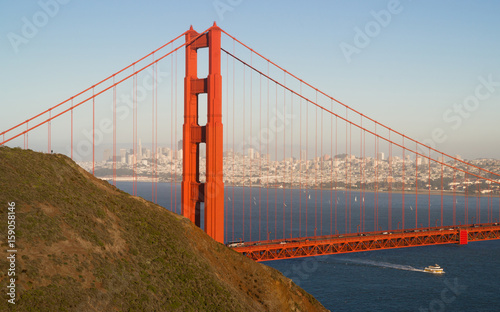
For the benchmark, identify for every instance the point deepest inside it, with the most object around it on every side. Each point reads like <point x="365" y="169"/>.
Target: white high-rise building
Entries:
<point x="303" y="155"/>
<point x="139" y="151"/>
<point x="130" y="159"/>
<point x="418" y="160"/>
<point x="106" y="155"/>
<point x="123" y="155"/>
<point x="251" y="153"/>
<point x="169" y="154"/>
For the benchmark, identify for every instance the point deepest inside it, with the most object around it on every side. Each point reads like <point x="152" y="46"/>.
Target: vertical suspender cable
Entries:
<point x="346" y="171"/>
<point x="244" y="152"/>
<point x="478" y="202"/>
<point x="365" y="180"/>
<point x="173" y="151"/>
<point x="316" y="168"/>
<point x="416" y="186"/>
<point x="306" y="164"/>
<point x="175" y="134"/>
<point x="454" y="193"/>
<point x="156" y="132"/>
<point x="300" y="161"/>
<point x="320" y="180"/>
<point x="360" y="225"/>
<point x="390" y="183"/>
<point x="153" y="135"/>
<point x="284" y="156"/>
<point x="134" y="129"/>
<point x="442" y="187"/>
<point x="234" y="130"/>
<point x="331" y="170"/>
<point x="250" y="135"/>
<point x="114" y="132"/>
<point x="49" y="133"/>
<point x="71" y="128"/>
<point x="268" y="155"/>
<point x="429" y="208"/>
<point x="291" y="164"/>
<point x="350" y="175"/>
<point x="260" y="153"/>
<point x="93" y="131"/>
<point x="403" y="188"/>
<point x="336" y="170"/>
<point x="276" y="173"/>
<point x="376" y="182"/>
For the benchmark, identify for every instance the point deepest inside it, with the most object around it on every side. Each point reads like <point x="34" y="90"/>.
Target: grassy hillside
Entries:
<point x="84" y="245"/>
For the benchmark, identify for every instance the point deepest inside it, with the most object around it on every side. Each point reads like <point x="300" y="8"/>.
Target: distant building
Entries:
<point x="123" y="155"/>
<point x="130" y="159"/>
<point x="418" y="160"/>
<point x="251" y="153"/>
<point x="303" y="155"/>
<point x="106" y="155"/>
<point x="169" y="154"/>
<point x="139" y="151"/>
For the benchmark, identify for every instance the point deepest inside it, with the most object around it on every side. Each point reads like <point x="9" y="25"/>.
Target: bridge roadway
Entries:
<point x="354" y="242"/>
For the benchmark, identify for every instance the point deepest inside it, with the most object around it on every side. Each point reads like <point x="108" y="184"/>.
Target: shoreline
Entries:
<point x="356" y="190"/>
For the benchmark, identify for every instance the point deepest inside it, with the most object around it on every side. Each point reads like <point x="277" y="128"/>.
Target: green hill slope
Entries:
<point x="84" y="245"/>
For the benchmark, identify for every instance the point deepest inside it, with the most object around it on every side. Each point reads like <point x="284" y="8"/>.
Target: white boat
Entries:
<point x="435" y="269"/>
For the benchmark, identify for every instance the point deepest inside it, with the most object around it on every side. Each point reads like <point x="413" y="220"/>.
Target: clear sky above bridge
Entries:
<point x="421" y="67"/>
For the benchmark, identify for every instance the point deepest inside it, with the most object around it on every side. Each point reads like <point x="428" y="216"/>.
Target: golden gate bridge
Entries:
<point x="271" y="166"/>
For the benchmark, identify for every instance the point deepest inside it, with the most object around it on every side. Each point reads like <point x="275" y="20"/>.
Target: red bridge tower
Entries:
<point x="210" y="193"/>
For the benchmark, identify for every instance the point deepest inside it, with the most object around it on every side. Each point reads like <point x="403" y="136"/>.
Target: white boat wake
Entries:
<point x="384" y="265"/>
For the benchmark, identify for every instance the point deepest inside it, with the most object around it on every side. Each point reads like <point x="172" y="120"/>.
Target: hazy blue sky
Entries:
<point x="425" y="65"/>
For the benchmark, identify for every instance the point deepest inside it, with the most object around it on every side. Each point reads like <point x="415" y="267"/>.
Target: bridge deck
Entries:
<point x="327" y="245"/>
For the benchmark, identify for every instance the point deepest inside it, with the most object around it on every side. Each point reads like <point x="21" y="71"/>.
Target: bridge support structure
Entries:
<point x="211" y="193"/>
<point x="464" y="237"/>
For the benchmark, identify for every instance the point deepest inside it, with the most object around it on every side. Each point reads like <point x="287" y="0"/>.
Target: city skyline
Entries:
<point x="326" y="172"/>
<point x="146" y="152"/>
